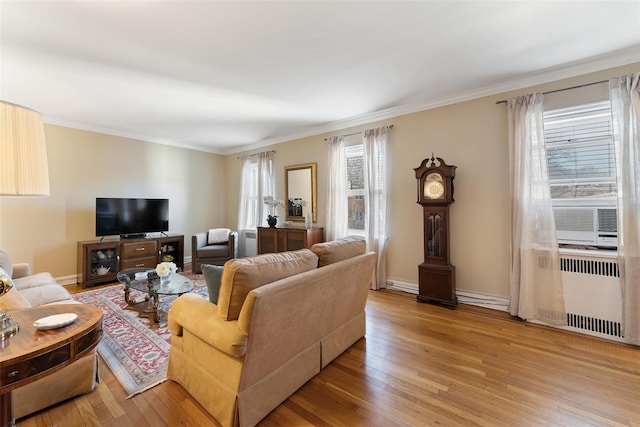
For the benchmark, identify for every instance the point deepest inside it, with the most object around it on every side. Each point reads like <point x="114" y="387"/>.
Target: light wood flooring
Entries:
<point x="419" y="365"/>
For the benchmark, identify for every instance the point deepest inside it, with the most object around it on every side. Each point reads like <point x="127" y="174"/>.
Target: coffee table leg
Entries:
<point x="154" y="299"/>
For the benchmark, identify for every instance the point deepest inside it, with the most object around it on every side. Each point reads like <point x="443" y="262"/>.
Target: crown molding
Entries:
<point x="574" y="69"/>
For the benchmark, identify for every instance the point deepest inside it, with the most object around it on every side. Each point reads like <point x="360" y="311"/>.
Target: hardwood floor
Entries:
<point x="419" y="364"/>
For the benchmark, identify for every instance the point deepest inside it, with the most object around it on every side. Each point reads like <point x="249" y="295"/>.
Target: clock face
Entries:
<point x="434" y="186"/>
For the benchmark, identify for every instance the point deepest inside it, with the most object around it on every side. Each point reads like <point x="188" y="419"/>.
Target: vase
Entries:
<point x="272" y="221"/>
<point x="165" y="280"/>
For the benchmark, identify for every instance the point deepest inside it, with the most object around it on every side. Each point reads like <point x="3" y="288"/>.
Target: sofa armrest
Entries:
<point x="21" y="269"/>
<point x="233" y="244"/>
<point x="200" y="317"/>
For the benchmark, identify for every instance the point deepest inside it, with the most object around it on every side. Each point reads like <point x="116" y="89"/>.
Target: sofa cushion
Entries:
<point x="338" y="250"/>
<point x="218" y="235"/>
<point x="242" y="275"/>
<point x="34" y="281"/>
<point x="212" y="275"/>
<point x="46" y="294"/>
<point x="12" y="300"/>
<point x="211" y="251"/>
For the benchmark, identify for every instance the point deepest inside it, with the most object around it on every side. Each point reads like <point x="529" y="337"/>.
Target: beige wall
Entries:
<point x="85" y="165"/>
<point x="471" y="135"/>
<point x="203" y="188"/>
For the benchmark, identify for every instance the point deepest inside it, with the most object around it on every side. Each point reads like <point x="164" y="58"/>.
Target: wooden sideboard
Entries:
<point x="287" y="239"/>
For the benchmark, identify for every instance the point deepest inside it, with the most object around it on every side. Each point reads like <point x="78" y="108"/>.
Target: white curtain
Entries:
<point x="375" y="198"/>
<point x="256" y="182"/>
<point x="535" y="279"/>
<point x="625" y="106"/>
<point x="337" y="208"/>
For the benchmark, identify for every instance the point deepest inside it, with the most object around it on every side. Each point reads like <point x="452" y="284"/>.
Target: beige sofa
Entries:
<point x="279" y="320"/>
<point x="33" y="290"/>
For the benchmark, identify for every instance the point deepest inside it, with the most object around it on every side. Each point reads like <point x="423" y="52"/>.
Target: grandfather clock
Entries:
<point x="437" y="282"/>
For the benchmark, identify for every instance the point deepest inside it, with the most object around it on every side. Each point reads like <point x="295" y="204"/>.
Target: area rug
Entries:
<point x="137" y="354"/>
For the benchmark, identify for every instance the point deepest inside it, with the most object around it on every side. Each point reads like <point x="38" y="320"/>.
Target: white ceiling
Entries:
<point x="223" y="76"/>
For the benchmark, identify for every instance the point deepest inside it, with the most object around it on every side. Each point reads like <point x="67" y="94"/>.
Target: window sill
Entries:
<point x="591" y="253"/>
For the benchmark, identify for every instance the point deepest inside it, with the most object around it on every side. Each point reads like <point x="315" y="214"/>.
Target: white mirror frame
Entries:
<point x="300" y="186"/>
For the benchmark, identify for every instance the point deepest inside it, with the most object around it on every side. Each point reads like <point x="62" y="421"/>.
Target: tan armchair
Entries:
<point x="203" y="252"/>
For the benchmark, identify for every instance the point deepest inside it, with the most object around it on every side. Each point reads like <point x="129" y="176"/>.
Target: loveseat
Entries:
<point x="33" y="290"/>
<point x="280" y="319"/>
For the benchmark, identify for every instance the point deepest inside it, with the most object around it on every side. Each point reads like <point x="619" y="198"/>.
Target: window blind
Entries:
<point x="580" y="151"/>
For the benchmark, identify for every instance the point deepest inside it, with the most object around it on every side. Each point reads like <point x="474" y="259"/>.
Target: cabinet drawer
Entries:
<point x="148" y="262"/>
<point x="34" y="366"/>
<point x="139" y="249"/>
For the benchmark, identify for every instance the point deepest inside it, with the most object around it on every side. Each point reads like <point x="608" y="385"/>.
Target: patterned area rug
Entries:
<point x="137" y="355"/>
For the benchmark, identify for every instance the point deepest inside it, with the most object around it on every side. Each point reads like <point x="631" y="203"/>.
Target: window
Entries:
<point x="580" y="155"/>
<point x="582" y="174"/>
<point x="252" y="196"/>
<point x="354" y="156"/>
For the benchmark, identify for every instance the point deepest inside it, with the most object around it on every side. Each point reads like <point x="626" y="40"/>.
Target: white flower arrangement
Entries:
<point x="165" y="268"/>
<point x="273" y="205"/>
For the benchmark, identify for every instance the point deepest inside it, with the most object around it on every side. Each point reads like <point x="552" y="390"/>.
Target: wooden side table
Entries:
<point x="32" y="354"/>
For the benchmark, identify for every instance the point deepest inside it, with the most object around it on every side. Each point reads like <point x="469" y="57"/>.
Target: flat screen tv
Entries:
<point x="131" y="217"/>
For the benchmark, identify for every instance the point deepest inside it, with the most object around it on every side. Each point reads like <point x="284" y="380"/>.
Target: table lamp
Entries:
<point x="24" y="171"/>
<point x="7" y="327"/>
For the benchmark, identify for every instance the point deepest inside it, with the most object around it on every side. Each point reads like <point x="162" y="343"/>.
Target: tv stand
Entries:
<point x="133" y="236"/>
<point x="100" y="260"/>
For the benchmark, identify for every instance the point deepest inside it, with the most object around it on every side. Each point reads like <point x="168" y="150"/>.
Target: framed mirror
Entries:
<point x="300" y="191"/>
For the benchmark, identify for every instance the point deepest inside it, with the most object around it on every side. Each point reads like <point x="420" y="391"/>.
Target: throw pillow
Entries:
<point x="339" y="250"/>
<point x="218" y="235"/>
<point x="213" y="276"/>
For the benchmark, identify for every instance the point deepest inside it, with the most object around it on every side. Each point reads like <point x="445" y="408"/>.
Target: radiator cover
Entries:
<point x="592" y="294"/>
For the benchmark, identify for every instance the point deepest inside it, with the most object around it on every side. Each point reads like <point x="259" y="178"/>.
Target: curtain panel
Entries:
<point x="625" y="106"/>
<point x="535" y="279"/>
<point x="375" y="198"/>
<point x="255" y="183"/>
<point x="337" y="208"/>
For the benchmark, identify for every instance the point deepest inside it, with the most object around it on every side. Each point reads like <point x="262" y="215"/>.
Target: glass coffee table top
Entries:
<point x="147" y="281"/>
<point x="138" y="279"/>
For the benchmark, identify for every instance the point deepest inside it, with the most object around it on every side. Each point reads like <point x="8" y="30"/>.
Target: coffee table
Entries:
<point x="153" y="286"/>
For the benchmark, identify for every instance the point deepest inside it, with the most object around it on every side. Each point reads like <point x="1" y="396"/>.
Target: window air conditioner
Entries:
<point x="586" y="226"/>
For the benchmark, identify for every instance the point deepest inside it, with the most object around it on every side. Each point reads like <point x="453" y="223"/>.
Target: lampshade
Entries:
<point x="23" y="152"/>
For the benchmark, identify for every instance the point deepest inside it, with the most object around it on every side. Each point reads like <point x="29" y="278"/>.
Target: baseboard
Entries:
<point x="67" y="280"/>
<point x="401" y="285"/>
<point x="465" y="297"/>
<point x="485" y="301"/>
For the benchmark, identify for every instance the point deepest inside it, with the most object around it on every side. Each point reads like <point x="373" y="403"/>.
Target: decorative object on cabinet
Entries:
<point x="272" y="218"/>
<point x="287" y="239"/>
<point x="300" y="191"/>
<point x="100" y="260"/>
<point x="435" y="194"/>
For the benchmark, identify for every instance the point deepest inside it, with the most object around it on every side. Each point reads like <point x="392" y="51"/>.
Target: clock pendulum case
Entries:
<point x="437" y="282"/>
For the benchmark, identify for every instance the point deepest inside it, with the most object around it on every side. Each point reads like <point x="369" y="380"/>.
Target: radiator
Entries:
<point x="248" y="244"/>
<point x="592" y="294"/>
